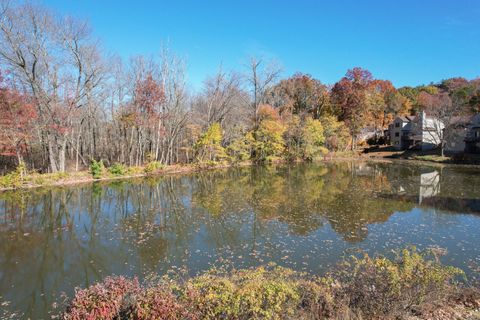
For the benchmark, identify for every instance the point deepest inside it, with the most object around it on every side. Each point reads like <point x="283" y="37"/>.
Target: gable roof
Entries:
<point x="406" y="118"/>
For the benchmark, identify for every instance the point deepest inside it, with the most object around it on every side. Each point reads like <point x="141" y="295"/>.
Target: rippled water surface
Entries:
<point x="305" y="216"/>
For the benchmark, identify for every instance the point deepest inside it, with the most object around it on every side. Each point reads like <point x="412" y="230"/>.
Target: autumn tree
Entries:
<point x="269" y="143"/>
<point x="463" y="93"/>
<point x="384" y="102"/>
<point x="17" y="121"/>
<point x="337" y="135"/>
<point x="300" y="94"/>
<point x="304" y="139"/>
<point x="209" y="145"/>
<point x="148" y="99"/>
<point x="350" y="95"/>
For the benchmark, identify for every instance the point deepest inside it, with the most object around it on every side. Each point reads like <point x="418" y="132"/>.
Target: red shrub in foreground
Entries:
<point x="102" y="300"/>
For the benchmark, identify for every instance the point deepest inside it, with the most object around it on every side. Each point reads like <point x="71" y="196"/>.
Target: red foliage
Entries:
<point x="350" y="93"/>
<point x="149" y="95"/>
<point x="361" y="78"/>
<point x="102" y="300"/>
<point x="17" y="118"/>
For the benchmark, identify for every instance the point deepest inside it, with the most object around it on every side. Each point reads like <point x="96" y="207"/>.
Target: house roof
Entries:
<point x="406" y="118"/>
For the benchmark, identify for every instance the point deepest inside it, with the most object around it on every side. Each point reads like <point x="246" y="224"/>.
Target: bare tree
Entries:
<point x="220" y="97"/>
<point x="175" y="109"/>
<point x="59" y="64"/>
<point x="260" y="77"/>
<point x="443" y="112"/>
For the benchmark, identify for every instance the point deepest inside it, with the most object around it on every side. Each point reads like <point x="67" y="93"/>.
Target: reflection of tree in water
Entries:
<point x="156" y="220"/>
<point x="218" y="199"/>
<point x="301" y="196"/>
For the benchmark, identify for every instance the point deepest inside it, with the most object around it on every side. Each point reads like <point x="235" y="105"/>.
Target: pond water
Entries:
<point x="304" y="216"/>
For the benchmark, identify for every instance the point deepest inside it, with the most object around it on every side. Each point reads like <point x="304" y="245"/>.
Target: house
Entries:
<point x="422" y="131"/>
<point x="400" y="126"/>
<point x="455" y="134"/>
<point x="472" y="136"/>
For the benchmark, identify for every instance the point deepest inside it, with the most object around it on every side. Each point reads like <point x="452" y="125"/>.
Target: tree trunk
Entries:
<point x="51" y="156"/>
<point x="61" y="155"/>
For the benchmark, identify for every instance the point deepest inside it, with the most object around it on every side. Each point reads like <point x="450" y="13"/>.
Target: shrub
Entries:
<point x="15" y="178"/>
<point x="380" y="286"/>
<point x="97" y="169"/>
<point x="153" y="166"/>
<point x="105" y="300"/>
<point x="117" y="169"/>
<point x="363" y="288"/>
<point x="157" y="302"/>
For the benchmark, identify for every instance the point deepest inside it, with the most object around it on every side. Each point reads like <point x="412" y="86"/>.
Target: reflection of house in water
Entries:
<point x="423" y="189"/>
<point x="421" y="186"/>
<point x="429" y="185"/>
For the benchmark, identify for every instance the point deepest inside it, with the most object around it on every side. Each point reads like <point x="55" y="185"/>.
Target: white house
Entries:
<point x="428" y="131"/>
<point x="422" y="132"/>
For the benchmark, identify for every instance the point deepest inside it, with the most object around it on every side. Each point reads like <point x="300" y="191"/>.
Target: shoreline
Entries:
<point x="81" y="177"/>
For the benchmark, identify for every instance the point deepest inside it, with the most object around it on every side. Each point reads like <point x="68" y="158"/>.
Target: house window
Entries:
<point x="397" y="125"/>
<point x="397" y="134"/>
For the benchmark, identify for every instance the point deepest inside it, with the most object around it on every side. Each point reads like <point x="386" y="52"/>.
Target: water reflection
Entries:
<point x="303" y="216"/>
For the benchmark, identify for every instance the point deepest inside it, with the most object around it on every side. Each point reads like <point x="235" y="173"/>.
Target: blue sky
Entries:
<point x="407" y="42"/>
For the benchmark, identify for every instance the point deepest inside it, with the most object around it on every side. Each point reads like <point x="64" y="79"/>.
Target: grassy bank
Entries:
<point x="19" y="179"/>
<point x="412" y="286"/>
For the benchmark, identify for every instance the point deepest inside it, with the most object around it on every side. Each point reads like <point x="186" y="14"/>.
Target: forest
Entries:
<point x="65" y="103"/>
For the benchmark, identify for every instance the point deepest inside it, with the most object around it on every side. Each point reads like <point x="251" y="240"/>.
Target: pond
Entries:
<point x="303" y="216"/>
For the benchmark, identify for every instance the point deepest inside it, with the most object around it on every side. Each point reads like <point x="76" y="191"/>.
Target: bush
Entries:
<point x="97" y="169"/>
<point x="117" y="169"/>
<point x="363" y="288"/>
<point x="380" y="286"/>
<point x="14" y="179"/>
<point x="103" y="300"/>
<point x="153" y="166"/>
<point x="157" y="302"/>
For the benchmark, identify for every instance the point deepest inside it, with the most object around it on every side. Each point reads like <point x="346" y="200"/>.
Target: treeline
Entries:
<point x="64" y="103"/>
